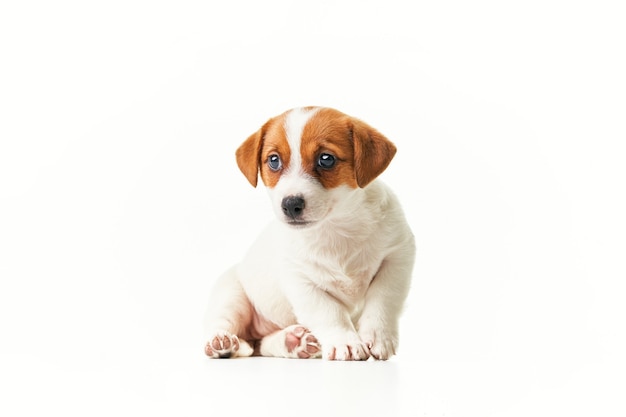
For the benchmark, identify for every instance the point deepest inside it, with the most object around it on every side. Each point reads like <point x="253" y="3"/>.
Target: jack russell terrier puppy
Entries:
<point x="330" y="275"/>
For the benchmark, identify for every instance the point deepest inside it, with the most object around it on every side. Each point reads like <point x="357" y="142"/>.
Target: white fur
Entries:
<point x="294" y="124"/>
<point x="295" y="181"/>
<point x="344" y="277"/>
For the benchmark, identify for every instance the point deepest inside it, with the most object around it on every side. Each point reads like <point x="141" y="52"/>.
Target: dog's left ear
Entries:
<point x="248" y="155"/>
<point x="372" y="152"/>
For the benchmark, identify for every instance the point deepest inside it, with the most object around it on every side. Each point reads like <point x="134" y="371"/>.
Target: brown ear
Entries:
<point x="372" y="152"/>
<point x="249" y="154"/>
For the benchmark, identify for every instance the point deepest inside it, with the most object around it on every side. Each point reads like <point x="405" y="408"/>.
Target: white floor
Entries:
<point x="169" y="382"/>
<point x="120" y="201"/>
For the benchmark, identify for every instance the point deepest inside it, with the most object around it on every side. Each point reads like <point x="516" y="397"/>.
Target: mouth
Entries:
<point x="299" y="224"/>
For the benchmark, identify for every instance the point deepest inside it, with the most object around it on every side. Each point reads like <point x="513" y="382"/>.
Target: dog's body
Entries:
<point x="334" y="269"/>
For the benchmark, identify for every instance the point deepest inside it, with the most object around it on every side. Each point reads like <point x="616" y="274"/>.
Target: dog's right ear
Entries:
<point x="249" y="154"/>
<point x="372" y="152"/>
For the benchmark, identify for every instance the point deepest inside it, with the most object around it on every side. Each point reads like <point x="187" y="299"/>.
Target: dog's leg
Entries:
<point x="294" y="341"/>
<point x="378" y="324"/>
<point x="227" y="319"/>
<point x="329" y="319"/>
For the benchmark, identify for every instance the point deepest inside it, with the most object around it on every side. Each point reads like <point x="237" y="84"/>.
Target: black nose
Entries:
<point x="293" y="206"/>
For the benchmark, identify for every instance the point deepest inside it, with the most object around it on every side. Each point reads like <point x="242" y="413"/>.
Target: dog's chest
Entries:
<point x="343" y="269"/>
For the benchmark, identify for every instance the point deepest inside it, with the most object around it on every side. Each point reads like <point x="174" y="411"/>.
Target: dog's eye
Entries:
<point x="326" y="161"/>
<point x="274" y="162"/>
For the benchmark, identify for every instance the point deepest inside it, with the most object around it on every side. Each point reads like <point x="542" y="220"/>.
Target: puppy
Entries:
<point x="330" y="275"/>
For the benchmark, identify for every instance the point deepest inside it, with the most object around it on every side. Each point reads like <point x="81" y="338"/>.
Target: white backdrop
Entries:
<point x="120" y="199"/>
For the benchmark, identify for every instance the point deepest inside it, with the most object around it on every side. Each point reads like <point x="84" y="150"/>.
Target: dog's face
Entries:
<point x="310" y="159"/>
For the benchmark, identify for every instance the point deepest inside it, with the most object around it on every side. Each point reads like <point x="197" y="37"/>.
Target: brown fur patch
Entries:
<point x="372" y="152"/>
<point x="328" y="131"/>
<point x="275" y="142"/>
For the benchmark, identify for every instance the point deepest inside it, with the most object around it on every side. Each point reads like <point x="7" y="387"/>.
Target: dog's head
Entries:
<point x="310" y="159"/>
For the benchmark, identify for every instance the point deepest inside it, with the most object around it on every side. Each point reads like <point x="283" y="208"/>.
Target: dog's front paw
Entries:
<point x="382" y="350"/>
<point x="353" y="350"/>
<point x="381" y="345"/>
<point x="223" y="345"/>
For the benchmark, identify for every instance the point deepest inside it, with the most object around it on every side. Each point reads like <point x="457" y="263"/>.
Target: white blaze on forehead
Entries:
<point x="294" y="125"/>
